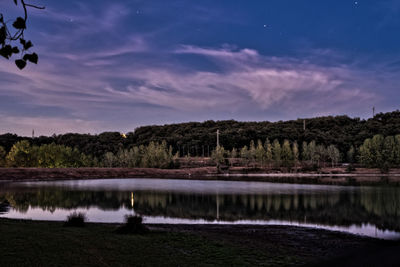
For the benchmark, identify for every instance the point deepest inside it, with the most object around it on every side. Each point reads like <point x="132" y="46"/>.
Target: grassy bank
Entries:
<point x="29" y="243"/>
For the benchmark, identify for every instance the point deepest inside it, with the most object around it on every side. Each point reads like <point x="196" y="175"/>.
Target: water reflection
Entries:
<point x="180" y="201"/>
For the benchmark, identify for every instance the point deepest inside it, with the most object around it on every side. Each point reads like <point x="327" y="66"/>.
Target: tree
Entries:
<point x="244" y="154"/>
<point x="3" y="155"/>
<point x="268" y="151"/>
<point x="260" y="153"/>
<point x="351" y="155"/>
<point x="287" y="154"/>
<point x="233" y="155"/>
<point x="8" y="37"/>
<point x="21" y="154"/>
<point x="312" y="152"/>
<point x="109" y="160"/>
<point x="305" y="153"/>
<point x="320" y="154"/>
<point x="389" y="150"/>
<point x="218" y="155"/>
<point x="366" y="155"/>
<point x="59" y="156"/>
<point x="276" y="152"/>
<point x="377" y="150"/>
<point x="333" y="154"/>
<point x="397" y="149"/>
<point x="295" y="149"/>
<point x="252" y="152"/>
<point x="124" y="158"/>
<point x="157" y="155"/>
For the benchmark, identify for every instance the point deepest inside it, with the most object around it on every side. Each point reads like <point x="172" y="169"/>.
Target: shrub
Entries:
<point x="385" y="167"/>
<point x="4" y="206"/>
<point x="350" y="168"/>
<point x="133" y="225"/>
<point x="75" y="219"/>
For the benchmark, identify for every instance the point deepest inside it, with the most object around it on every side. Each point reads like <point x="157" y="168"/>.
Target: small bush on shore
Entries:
<point x="4" y="206"/>
<point x="133" y="225"/>
<point x="75" y="219"/>
<point x="350" y="168"/>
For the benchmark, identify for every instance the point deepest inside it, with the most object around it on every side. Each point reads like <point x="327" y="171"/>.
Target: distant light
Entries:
<point x="123" y="135"/>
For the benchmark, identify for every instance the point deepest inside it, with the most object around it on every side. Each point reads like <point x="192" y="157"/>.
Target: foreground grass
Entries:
<point x="32" y="243"/>
<point x="28" y="243"/>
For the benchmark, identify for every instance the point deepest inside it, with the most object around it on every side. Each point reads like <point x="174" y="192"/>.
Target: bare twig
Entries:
<point x="33" y="6"/>
<point x="20" y="33"/>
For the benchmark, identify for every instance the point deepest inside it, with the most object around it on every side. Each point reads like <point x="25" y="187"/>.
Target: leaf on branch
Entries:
<point x="31" y="57"/>
<point x="19" y="24"/>
<point x="26" y="44"/>
<point x="20" y="63"/>
<point x="15" y="50"/>
<point x="6" y="51"/>
<point x="3" y="35"/>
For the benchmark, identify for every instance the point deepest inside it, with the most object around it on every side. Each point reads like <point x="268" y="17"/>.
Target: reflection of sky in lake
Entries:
<point x="192" y="186"/>
<point x="372" y="211"/>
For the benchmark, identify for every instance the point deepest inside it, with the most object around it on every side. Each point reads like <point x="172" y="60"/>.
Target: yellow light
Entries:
<point x="132" y="200"/>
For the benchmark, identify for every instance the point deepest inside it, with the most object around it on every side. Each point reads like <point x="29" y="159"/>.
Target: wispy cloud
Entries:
<point x="114" y="65"/>
<point x="246" y="81"/>
<point x="249" y="79"/>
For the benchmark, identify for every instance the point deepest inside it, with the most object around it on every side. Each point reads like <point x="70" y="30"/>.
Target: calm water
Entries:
<point x="372" y="211"/>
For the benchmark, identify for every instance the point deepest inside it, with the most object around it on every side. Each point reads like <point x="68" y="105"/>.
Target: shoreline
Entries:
<point x="327" y="176"/>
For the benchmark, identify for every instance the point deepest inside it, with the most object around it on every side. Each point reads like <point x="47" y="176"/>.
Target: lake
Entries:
<point x="370" y="211"/>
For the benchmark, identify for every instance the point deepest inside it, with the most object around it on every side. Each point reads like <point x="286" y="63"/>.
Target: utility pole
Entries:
<point x="373" y="112"/>
<point x="217" y="138"/>
<point x="304" y="125"/>
<point x="33" y="133"/>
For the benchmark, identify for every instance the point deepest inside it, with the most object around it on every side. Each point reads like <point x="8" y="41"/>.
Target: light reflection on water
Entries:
<point x="371" y="211"/>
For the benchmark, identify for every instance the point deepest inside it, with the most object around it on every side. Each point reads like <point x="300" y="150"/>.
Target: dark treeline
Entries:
<point x="199" y="139"/>
<point x="340" y="131"/>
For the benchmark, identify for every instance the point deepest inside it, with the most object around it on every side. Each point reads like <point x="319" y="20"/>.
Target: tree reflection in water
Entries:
<point x="378" y="206"/>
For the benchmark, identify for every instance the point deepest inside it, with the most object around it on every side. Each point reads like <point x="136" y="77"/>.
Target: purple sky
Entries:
<point x="117" y="65"/>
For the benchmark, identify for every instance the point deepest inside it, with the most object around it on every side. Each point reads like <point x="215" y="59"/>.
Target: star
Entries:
<point x="356" y="2"/>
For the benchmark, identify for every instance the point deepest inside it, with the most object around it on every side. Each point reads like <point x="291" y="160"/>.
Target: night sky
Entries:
<point x="116" y="65"/>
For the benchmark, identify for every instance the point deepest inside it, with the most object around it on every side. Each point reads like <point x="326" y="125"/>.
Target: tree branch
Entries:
<point x="7" y="38"/>
<point x="33" y="6"/>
